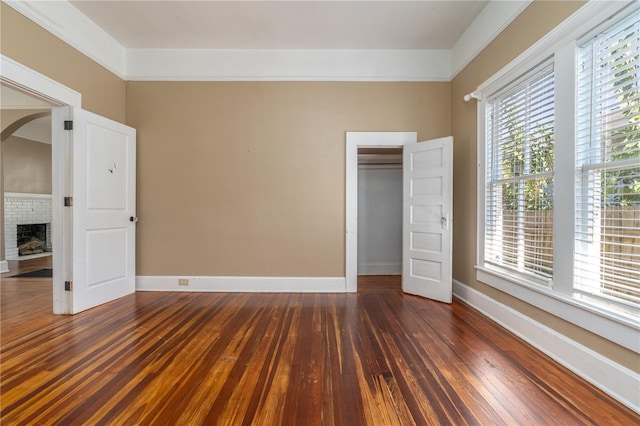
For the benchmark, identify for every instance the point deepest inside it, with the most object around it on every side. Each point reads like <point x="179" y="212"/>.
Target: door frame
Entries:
<point x="23" y="78"/>
<point x="357" y="140"/>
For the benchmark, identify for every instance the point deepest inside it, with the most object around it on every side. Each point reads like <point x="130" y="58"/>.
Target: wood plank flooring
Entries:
<point x="373" y="358"/>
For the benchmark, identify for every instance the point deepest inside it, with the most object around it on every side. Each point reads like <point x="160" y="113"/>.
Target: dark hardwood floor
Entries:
<point x="373" y="358"/>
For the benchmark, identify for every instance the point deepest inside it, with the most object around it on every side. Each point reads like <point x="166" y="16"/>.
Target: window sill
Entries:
<point x="621" y="329"/>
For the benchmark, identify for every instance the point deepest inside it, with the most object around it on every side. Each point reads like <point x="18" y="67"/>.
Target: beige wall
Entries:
<point x="24" y="41"/>
<point x="29" y="44"/>
<point x="247" y="178"/>
<point x="538" y="19"/>
<point x="27" y="166"/>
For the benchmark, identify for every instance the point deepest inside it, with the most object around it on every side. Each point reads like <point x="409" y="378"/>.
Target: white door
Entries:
<point x="426" y="222"/>
<point x="103" y="157"/>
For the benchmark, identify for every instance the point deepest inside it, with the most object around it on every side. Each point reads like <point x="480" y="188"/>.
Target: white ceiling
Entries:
<point x="283" y="24"/>
<point x="38" y="130"/>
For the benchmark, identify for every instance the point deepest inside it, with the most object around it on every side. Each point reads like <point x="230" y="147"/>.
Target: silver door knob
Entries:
<point x="444" y="220"/>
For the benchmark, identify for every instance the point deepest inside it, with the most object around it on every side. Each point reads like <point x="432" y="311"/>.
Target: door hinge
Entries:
<point x="68" y="285"/>
<point x="68" y="124"/>
<point x="68" y="201"/>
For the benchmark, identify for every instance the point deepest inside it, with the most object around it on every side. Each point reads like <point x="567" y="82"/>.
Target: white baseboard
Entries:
<point x="380" y="269"/>
<point x="243" y="284"/>
<point x="4" y="266"/>
<point x="612" y="378"/>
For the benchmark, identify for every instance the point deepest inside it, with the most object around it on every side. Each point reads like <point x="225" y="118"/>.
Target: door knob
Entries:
<point x="444" y="220"/>
<point x="133" y="219"/>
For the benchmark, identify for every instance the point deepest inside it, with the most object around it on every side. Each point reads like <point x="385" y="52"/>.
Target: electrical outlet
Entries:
<point x="183" y="281"/>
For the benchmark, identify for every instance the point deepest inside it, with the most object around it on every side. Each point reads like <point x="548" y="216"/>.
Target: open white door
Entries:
<point x="426" y="228"/>
<point x="103" y="158"/>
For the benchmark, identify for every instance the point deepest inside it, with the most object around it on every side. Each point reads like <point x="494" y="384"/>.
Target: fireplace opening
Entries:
<point x="32" y="239"/>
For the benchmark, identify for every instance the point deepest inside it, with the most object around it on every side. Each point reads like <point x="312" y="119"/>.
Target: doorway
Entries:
<point x="427" y="202"/>
<point x="379" y="211"/>
<point x="356" y="141"/>
<point x="93" y="196"/>
<point x="49" y="93"/>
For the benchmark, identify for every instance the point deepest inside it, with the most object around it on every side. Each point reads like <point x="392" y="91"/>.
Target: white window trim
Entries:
<point x="557" y="300"/>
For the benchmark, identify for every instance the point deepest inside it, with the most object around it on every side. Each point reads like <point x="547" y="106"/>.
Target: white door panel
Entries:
<point x="103" y="188"/>
<point x="427" y="206"/>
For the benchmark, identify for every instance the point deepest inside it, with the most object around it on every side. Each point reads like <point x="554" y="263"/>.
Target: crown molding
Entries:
<point x="493" y="19"/>
<point x="288" y="65"/>
<point x="70" y="25"/>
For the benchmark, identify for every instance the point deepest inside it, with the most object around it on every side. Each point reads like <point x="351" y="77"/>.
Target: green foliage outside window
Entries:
<point x="621" y="188"/>
<point x="536" y="143"/>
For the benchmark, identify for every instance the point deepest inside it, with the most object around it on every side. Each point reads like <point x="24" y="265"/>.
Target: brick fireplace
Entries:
<point x="25" y="209"/>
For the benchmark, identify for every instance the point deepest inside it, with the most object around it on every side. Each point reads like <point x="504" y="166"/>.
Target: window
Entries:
<point x="608" y="165"/>
<point x="519" y="178"/>
<point x="559" y="173"/>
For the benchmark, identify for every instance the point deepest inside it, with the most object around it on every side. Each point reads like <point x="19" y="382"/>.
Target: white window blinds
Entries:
<point x="607" y="257"/>
<point x="519" y="177"/>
